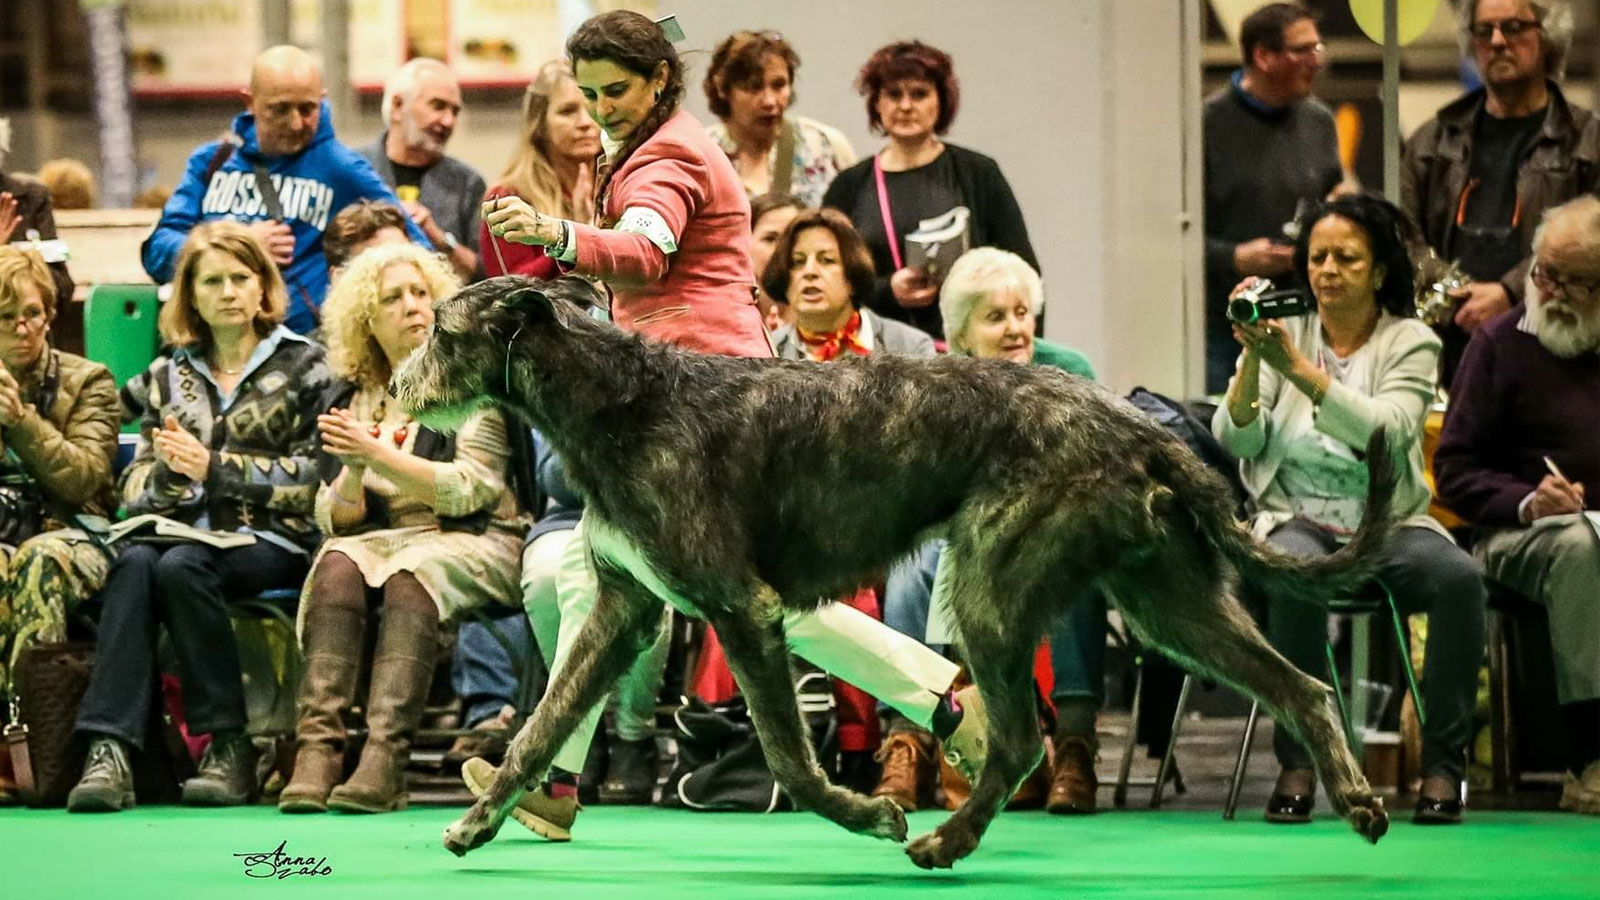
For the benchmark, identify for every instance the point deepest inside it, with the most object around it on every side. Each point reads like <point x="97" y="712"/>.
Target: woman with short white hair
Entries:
<point x="989" y="302"/>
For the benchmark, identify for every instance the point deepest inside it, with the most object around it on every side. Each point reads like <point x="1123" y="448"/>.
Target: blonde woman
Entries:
<point x="226" y="442"/>
<point x="553" y="168"/>
<point x="418" y="523"/>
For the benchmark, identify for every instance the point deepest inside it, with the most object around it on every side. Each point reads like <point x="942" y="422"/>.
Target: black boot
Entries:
<point x="631" y="775"/>
<point x="227" y="773"/>
<point x="107" y="782"/>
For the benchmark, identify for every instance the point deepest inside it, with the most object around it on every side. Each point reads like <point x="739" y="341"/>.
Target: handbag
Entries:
<point x="50" y="681"/>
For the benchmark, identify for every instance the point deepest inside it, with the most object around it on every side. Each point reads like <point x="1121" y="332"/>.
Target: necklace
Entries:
<point x="400" y="434"/>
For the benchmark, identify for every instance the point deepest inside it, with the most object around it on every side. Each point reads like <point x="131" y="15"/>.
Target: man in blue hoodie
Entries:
<point x="281" y="171"/>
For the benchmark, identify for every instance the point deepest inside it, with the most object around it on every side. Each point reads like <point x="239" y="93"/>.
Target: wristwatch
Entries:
<point x="451" y="242"/>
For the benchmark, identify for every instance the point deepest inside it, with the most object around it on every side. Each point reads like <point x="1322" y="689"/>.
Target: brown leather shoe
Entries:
<point x="909" y="769"/>
<point x="1073" y="782"/>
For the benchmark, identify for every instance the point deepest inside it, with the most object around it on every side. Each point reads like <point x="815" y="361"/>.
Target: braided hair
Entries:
<point x="635" y="43"/>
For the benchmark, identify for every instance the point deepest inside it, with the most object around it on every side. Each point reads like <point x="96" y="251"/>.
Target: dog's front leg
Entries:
<point x="623" y="620"/>
<point x="753" y="638"/>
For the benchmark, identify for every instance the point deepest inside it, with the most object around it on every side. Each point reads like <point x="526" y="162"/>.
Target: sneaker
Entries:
<point x="107" y="782"/>
<point x="1581" y="794"/>
<point x="549" y="817"/>
<point x="227" y="775"/>
<point x="968" y="746"/>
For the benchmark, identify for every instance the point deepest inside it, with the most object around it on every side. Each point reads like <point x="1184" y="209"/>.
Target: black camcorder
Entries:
<point x="1263" y="300"/>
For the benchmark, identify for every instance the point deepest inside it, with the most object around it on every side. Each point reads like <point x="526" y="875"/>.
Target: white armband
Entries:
<point x="648" y="222"/>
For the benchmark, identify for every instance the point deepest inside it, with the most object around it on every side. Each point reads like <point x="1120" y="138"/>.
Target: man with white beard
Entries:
<point x="441" y="194"/>
<point x="1520" y="447"/>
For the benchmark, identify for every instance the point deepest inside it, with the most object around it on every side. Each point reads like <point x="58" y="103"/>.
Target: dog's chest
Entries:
<point x="617" y="550"/>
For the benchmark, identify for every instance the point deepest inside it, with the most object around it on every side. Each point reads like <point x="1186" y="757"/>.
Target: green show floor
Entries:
<point x="172" y="852"/>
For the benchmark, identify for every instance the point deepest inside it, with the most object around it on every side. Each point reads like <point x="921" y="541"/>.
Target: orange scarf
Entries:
<point x="826" y="345"/>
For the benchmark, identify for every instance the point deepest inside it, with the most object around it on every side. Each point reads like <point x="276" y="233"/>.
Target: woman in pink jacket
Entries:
<point x="672" y="241"/>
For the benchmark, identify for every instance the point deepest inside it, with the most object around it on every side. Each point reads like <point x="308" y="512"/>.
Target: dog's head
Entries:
<point x="464" y="365"/>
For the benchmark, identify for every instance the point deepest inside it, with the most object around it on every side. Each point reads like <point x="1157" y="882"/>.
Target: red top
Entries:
<point x="520" y="259"/>
<point x="701" y="297"/>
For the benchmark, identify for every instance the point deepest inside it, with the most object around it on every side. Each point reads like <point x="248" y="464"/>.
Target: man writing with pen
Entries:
<point x="1520" y="445"/>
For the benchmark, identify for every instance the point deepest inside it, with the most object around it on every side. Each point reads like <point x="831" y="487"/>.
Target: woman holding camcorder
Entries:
<point x="1307" y="394"/>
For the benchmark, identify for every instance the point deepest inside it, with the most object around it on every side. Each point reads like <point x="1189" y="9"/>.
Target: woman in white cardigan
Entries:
<point x="1307" y="394"/>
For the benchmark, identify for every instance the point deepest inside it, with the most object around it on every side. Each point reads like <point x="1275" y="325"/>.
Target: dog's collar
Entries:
<point x="509" y="344"/>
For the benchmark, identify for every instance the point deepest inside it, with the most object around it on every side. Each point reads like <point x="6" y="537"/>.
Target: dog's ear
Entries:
<point x="525" y="302"/>
<point x="580" y="292"/>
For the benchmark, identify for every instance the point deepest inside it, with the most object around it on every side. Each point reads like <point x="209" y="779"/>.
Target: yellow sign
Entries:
<point x="1414" y="15"/>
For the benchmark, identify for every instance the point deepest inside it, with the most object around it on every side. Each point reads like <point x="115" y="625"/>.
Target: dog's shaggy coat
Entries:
<point x="749" y="485"/>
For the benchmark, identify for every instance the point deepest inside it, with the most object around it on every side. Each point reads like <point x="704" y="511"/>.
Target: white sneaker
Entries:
<point x="1581" y="794"/>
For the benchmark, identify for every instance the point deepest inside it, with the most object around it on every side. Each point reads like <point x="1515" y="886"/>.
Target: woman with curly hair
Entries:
<point x="419" y="524"/>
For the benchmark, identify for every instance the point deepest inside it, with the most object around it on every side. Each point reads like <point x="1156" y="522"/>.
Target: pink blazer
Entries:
<point x="700" y="297"/>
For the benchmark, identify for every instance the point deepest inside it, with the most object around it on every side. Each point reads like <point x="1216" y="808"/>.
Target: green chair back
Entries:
<point x="119" y="330"/>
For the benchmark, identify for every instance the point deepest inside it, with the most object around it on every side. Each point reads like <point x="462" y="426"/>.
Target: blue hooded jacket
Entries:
<point x="312" y="185"/>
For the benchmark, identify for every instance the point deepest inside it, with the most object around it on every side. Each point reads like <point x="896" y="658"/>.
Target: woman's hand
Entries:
<point x="1268" y="341"/>
<point x="12" y="406"/>
<point x="181" y="451"/>
<point x="348" y="439"/>
<point x="513" y="219"/>
<point x="913" y="289"/>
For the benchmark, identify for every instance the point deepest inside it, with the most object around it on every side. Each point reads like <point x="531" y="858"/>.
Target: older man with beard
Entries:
<point x="1520" y="447"/>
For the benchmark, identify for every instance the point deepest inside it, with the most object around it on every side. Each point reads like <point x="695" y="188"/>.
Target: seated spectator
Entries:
<point x="58" y="436"/>
<point x="912" y="97"/>
<point x="552" y="168"/>
<point x="1520" y="449"/>
<point x="1306" y="396"/>
<point x="70" y="182"/>
<point x="421" y="525"/>
<point x="26" y="212"/>
<point x="749" y="87"/>
<point x="770" y="214"/>
<point x="818" y="269"/>
<point x="989" y="303"/>
<point x="358" y="227"/>
<point x="227" y="432"/>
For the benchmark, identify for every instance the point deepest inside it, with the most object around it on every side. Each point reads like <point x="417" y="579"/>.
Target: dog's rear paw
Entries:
<point x="940" y="848"/>
<point x="890" y="822"/>
<point x="468" y="833"/>
<point x="1370" y="821"/>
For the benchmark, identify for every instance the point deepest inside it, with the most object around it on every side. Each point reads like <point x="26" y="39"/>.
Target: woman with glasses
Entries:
<point x="1306" y="396"/>
<point x="58" y="436"/>
<point x="750" y="86"/>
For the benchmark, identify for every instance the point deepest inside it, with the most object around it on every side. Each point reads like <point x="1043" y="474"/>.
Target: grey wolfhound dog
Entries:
<point x="738" y="487"/>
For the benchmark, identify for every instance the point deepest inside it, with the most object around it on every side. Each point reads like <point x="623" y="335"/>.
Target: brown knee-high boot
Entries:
<point x="402" y="666"/>
<point x="333" y="638"/>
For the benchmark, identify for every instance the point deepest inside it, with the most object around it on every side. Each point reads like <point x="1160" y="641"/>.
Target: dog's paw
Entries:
<point x="927" y="851"/>
<point x="469" y="832"/>
<point x="1370" y="820"/>
<point x="889" y="822"/>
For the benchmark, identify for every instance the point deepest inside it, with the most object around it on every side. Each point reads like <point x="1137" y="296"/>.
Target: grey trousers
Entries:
<point x="1556" y="562"/>
<point x="1425" y="573"/>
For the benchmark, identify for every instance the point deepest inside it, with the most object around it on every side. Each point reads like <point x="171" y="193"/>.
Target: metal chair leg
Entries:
<point x="1405" y="656"/>
<point x="1338" y="697"/>
<point x="1243" y="761"/>
<point x="1172" y="742"/>
<point x="1119" y="797"/>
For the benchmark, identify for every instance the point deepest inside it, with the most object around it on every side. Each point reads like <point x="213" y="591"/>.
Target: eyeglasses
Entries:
<point x="33" y="317"/>
<point x="1483" y="32"/>
<point x="1318" y="50"/>
<point x="1551" y="280"/>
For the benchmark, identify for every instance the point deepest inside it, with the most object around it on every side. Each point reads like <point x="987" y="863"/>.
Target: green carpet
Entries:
<point x="623" y="852"/>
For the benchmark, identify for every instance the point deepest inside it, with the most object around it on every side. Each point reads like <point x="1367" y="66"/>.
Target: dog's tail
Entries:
<point x="1323" y="579"/>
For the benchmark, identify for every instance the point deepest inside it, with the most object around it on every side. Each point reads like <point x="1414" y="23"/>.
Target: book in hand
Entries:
<point x="938" y="242"/>
<point x="151" y="525"/>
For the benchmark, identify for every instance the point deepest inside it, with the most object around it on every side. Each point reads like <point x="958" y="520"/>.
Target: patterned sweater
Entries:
<point x="263" y="440"/>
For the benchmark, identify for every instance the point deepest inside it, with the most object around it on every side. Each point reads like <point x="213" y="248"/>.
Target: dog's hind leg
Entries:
<point x="999" y="641"/>
<point x="752" y="635"/>
<point x="623" y="621"/>
<point x="1185" y="609"/>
